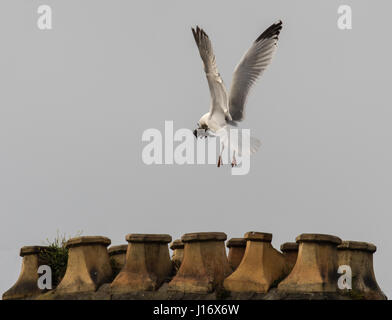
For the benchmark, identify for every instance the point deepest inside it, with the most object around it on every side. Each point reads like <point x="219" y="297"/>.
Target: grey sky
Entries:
<point x="75" y="101"/>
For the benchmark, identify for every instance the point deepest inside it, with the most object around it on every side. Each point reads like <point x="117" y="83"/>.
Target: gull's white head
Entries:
<point x="202" y="125"/>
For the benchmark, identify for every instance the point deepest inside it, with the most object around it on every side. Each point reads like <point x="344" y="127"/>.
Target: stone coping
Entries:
<point x="357" y="245"/>
<point x="289" y="246"/>
<point x="24" y="251"/>
<point x="113" y="250"/>
<point x="236" y="242"/>
<point x="318" y="237"/>
<point x="204" y="236"/>
<point x="142" y="237"/>
<point x="88" y="240"/>
<point x="177" y="244"/>
<point x="258" y="236"/>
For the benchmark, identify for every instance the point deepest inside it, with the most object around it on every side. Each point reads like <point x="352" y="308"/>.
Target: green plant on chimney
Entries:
<point x="56" y="256"/>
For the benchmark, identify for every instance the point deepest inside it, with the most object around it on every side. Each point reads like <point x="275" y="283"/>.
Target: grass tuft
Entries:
<point x="56" y="256"/>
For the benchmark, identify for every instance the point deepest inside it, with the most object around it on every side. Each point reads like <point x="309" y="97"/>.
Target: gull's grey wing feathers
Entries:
<point x="251" y="66"/>
<point x="218" y="92"/>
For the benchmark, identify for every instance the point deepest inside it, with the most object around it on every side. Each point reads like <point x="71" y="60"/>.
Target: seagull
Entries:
<point x="228" y="109"/>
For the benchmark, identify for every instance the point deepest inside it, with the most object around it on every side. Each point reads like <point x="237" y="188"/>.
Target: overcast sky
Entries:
<point x="76" y="100"/>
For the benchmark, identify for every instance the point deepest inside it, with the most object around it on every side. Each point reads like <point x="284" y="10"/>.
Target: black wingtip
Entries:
<point x="198" y="33"/>
<point x="194" y="33"/>
<point x="271" y="32"/>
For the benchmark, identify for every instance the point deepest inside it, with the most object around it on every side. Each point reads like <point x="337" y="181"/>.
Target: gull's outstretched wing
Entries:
<point x="217" y="88"/>
<point x="251" y="66"/>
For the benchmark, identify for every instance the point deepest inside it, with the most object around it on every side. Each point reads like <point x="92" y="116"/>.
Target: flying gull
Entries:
<point x="228" y="109"/>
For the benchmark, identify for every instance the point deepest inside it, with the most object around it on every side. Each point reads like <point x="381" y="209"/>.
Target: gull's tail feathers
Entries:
<point x="247" y="150"/>
<point x="242" y="143"/>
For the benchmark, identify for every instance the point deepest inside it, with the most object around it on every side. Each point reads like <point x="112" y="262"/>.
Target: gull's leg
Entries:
<point x="234" y="162"/>
<point x="220" y="163"/>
